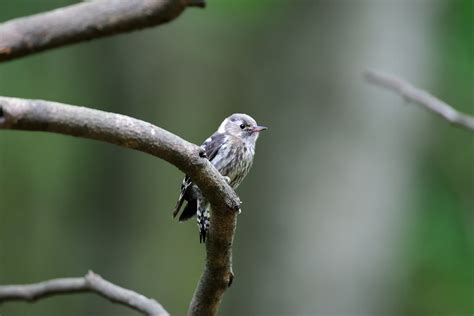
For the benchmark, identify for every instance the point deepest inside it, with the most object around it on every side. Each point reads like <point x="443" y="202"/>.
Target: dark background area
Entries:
<point x="356" y="204"/>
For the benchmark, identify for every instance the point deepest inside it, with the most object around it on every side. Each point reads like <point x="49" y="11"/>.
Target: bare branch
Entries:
<point x="421" y="97"/>
<point x="209" y="291"/>
<point x="37" y="115"/>
<point x="84" y="21"/>
<point x="90" y="283"/>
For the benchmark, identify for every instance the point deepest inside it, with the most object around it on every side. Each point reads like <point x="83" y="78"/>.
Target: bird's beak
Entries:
<point x="259" y="128"/>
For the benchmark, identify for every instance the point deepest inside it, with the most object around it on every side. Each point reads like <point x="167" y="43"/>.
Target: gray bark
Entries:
<point x="38" y="115"/>
<point x="90" y="283"/>
<point x="84" y="21"/>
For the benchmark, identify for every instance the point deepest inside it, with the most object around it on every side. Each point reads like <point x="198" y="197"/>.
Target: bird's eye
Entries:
<point x="242" y="126"/>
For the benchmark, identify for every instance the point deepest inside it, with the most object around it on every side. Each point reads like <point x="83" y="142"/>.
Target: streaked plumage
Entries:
<point x="231" y="150"/>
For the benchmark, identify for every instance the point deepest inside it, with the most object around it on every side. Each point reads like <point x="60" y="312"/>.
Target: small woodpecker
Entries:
<point x="231" y="150"/>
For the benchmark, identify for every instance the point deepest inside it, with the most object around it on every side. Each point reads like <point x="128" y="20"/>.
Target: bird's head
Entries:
<point x="242" y="126"/>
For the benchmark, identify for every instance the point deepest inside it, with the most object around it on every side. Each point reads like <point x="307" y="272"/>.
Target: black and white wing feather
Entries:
<point x="211" y="147"/>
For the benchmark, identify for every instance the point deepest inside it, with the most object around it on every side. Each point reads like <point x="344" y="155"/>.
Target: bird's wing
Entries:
<point x="182" y="195"/>
<point x="211" y="148"/>
<point x="212" y="145"/>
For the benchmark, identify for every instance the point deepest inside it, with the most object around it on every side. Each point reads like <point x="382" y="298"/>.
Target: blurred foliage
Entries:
<point x="68" y="205"/>
<point x="442" y="240"/>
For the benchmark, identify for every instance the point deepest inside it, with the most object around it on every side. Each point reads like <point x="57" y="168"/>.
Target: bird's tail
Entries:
<point x="203" y="222"/>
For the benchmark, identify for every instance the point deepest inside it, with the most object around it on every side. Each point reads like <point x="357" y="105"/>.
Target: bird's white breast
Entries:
<point x="234" y="160"/>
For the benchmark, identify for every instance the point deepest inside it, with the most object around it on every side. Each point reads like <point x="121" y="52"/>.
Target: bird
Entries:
<point x="231" y="150"/>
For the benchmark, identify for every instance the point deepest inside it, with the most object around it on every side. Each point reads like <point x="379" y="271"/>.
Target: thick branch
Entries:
<point x="90" y="283"/>
<point x="37" y="115"/>
<point x="84" y="21"/>
<point x="421" y="97"/>
<point x="209" y="291"/>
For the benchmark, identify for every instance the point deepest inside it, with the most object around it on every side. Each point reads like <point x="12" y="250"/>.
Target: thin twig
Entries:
<point x="84" y="21"/>
<point x="421" y="97"/>
<point x="38" y="115"/>
<point x="90" y="283"/>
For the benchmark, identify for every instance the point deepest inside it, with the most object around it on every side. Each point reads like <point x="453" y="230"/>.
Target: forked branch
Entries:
<point x="90" y="283"/>
<point x="37" y="115"/>
<point x="421" y="97"/>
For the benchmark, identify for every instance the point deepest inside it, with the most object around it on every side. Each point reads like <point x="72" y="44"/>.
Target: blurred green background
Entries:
<point x="356" y="205"/>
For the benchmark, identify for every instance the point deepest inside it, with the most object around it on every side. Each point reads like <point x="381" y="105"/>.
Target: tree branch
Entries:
<point x="209" y="291"/>
<point x="37" y="115"/>
<point x="84" y="21"/>
<point x="421" y="97"/>
<point x="90" y="283"/>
